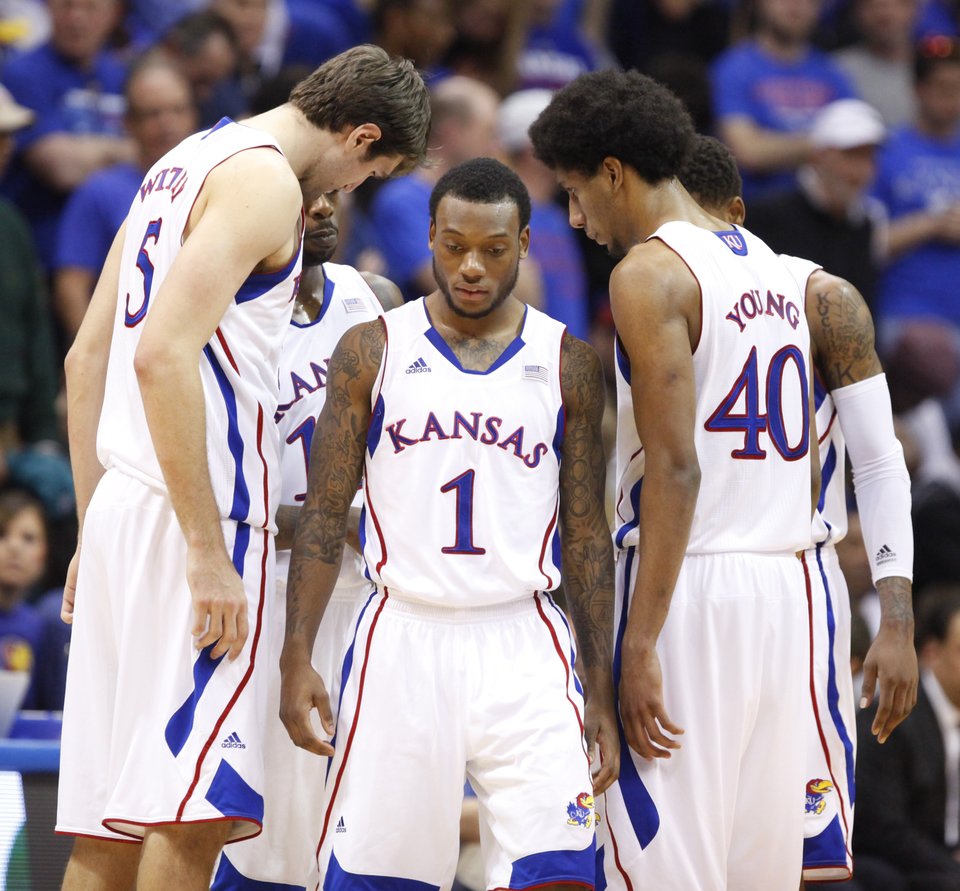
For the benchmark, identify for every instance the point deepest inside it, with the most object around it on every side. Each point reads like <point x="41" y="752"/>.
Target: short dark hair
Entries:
<point x="625" y="115"/>
<point x="938" y="608"/>
<point x="931" y="52"/>
<point x="710" y="172"/>
<point x="187" y="35"/>
<point x="483" y="181"/>
<point x="365" y="85"/>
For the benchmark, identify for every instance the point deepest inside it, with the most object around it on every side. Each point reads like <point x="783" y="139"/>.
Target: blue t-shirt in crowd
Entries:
<point x="919" y="173"/>
<point x="65" y="100"/>
<point x="21" y="645"/>
<point x="554" y="247"/>
<point x="400" y="214"/>
<point x="553" y="56"/>
<point x="93" y="215"/>
<point x="775" y="95"/>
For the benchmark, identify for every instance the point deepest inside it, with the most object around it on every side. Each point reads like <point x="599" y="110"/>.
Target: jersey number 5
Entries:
<point x="751" y="421"/>
<point x="144" y="264"/>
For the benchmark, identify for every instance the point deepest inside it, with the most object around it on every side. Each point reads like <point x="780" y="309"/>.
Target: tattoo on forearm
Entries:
<point x="587" y="549"/>
<point x="896" y="601"/>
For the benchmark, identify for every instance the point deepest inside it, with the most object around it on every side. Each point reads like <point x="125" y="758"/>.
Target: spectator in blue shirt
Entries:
<point x="160" y="114"/>
<point x="767" y="90"/>
<point x="74" y="85"/>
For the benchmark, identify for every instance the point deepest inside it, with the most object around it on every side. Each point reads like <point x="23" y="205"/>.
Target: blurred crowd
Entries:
<point x="843" y="115"/>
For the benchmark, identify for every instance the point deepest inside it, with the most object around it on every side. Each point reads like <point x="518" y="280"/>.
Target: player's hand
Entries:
<point x="301" y="691"/>
<point x="891" y="660"/>
<point x="219" y="603"/>
<point x="70" y="589"/>
<point x="642" y="713"/>
<point x="602" y="736"/>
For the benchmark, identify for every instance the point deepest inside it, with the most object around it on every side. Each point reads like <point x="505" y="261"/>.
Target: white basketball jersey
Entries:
<point x="239" y="364"/>
<point x="346" y="301"/>
<point x="462" y="468"/>
<point x="830" y="524"/>
<point x="752" y="415"/>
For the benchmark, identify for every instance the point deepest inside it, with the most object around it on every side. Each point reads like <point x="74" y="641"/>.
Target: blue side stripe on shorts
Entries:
<point x="833" y="694"/>
<point x="547" y="867"/>
<point x="601" y="872"/>
<point x="241" y="495"/>
<point x="566" y="624"/>
<point x="181" y="722"/>
<point x="338" y="879"/>
<point x="640" y="807"/>
<point x="229" y="878"/>
<point x="232" y="795"/>
<point x="345" y="671"/>
<point x="829" y="848"/>
<point x="632" y="524"/>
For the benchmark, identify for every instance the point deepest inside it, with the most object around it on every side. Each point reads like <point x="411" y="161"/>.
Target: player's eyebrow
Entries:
<point x="452" y="230"/>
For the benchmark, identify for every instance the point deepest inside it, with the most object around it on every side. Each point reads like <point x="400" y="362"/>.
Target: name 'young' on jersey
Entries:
<point x="346" y="301"/>
<point x="752" y="426"/>
<point x="462" y="483"/>
<point x="238" y="368"/>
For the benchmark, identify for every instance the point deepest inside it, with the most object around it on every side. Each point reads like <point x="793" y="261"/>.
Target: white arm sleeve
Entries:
<point x="880" y="477"/>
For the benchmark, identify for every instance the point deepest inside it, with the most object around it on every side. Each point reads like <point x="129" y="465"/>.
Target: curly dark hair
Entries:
<point x="625" y="115"/>
<point x="483" y="181"/>
<point x="710" y="172"/>
<point x="365" y="85"/>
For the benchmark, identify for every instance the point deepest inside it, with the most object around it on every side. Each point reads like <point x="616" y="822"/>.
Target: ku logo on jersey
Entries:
<point x="817" y="791"/>
<point x="733" y="240"/>
<point x="580" y="812"/>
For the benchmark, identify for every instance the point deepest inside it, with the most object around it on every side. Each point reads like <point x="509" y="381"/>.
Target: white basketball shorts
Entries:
<point x="431" y="696"/>
<point x="725" y="811"/>
<point x="831" y="725"/>
<point x="154" y="732"/>
<point x="285" y="852"/>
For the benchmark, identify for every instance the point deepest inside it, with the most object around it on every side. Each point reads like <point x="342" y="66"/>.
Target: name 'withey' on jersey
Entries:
<point x="461" y="479"/>
<point x="752" y="412"/>
<point x="307" y="347"/>
<point x="238" y="368"/>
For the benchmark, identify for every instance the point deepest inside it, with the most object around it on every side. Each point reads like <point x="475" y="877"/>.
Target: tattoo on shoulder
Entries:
<point x="844" y="336"/>
<point x="581" y="379"/>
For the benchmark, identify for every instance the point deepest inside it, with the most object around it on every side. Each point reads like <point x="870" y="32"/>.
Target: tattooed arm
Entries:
<point x="588" y="549"/>
<point x="842" y="334"/>
<point x="336" y="465"/>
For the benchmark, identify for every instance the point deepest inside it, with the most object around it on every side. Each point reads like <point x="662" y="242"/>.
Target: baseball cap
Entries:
<point x="517" y="112"/>
<point x="847" y="124"/>
<point x="13" y="116"/>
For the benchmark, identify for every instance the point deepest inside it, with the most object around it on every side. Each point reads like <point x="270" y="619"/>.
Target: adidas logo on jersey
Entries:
<point x="885" y="555"/>
<point x="418" y="367"/>
<point x="341" y="826"/>
<point x="233" y="742"/>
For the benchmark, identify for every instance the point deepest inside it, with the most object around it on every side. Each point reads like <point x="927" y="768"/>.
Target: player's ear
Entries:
<point x="363" y="136"/>
<point x="433" y="233"/>
<point x="736" y="211"/>
<point x="524" y="241"/>
<point x="612" y="171"/>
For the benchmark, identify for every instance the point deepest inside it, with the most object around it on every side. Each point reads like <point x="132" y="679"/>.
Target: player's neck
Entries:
<point x="664" y="203"/>
<point x="310" y="293"/>
<point x="503" y="323"/>
<point x="299" y="140"/>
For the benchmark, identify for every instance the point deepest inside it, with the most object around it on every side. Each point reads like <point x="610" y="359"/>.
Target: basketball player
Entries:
<point x="331" y="299"/>
<point x="475" y="423"/>
<point x="852" y="412"/>
<point x="172" y="389"/>
<point x="710" y="610"/>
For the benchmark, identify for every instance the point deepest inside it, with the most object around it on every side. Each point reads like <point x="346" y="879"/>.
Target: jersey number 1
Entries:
<point x="463" y="486"/>
<point x="751" y="421"/>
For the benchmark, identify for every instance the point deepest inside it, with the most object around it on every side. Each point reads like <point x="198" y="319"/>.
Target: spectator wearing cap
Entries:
<point x="918" y="181"/>
<point x="552" y="242"/>
<point x="827" y="216"/>
<point x="29" y="454"/>
<point x="74" y="85"/>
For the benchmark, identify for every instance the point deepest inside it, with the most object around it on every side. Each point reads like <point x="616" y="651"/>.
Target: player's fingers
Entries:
<point x="243" y="631"/>
<point x="66" y="606"/>
<point x="604" y="778"/>
<point x="897" y="712"/>
<point x="636" y="736"/>
<point x="883" y="713"/>
<point x="869" y="686"/>
<point x="228" y="635"/>
<point x="214" y="630"/>
<point x="667" y="724"/>
<point x="199" y="620"/>
<point x="301" y="732"/>
<point x="661" y="742"/>
<point x="322" y="704"/>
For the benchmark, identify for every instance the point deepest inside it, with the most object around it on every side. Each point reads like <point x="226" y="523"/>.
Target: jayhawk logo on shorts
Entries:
<point x="580" y="812"/>
<point x="816" y="790"/>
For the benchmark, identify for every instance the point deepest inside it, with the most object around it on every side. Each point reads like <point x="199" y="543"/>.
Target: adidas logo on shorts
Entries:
<point x="341" y="826"/>
<point x="885" y="555"/>
<point x="419" y="367"/>
<point x="233" y="742"/>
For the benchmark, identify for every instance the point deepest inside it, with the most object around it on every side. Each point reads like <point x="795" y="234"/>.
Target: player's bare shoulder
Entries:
<point x="355" y="362"/>
<point x="841" y="330"/>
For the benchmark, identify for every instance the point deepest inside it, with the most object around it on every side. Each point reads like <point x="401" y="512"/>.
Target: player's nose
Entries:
<point x="471" y="265"/>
